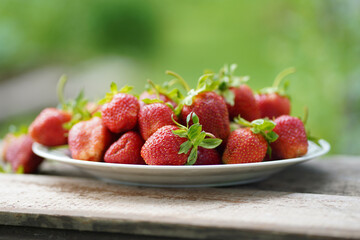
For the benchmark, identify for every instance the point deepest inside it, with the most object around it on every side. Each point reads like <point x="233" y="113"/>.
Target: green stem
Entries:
<point x="306" y="115"/>
<point x="182" y="81"/>
<point x="154" y="87"/>
<point x="60" y="88"/>
<point x="281" y="76"/>
<point x="172" y="82"/>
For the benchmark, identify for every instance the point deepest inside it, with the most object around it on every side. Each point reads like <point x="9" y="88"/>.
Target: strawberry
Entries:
<point x="177" y="145"/>
<point x="209" y="106"/>
<point x="17" y="151"/>
<point x="51" y="126"/>
<point x="272" y="105"/>
<point x="207" y="157"/>
<point x="126" y="149"/>
<point x="88" y="140"/>
<point x="154" y="116"/>
<point x="273" y="101"/>
<point x="120" y="110"/>
<point x="47" y="128"/>
<point x="292" y="141"/>
<point x="245" y="104"/>
<point x="250" y="144"/>
<point x="212" y="111"/>
<point x="239" y="97"/>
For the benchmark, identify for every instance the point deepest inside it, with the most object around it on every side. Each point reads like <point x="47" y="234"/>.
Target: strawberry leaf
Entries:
<point x="192" y="157"/>
<point x="195" y="137"/>
<point x="194" y="131"/>
<point x="181" y="133"/>
<point x="260" y="126"/>
<point x="229" y="96"/>
<point x="97" y="114"/>
<point x="198" y="140"/>
<point x="18" y="131"/>
<point x="125" y="89"/>
<point x="185" y="147"/>
<point x="113" y="87"/>
<point x="210" y="143"/>
<point x="151" y="101"/>
<point x="113" y="91"/>
<point x="20" y="170"/>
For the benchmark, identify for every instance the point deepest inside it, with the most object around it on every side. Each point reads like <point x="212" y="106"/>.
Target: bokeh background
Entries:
<point x="128" y="41"/>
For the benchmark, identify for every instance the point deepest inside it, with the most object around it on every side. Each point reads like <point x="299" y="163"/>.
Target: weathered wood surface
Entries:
<point x="317" y="199"/>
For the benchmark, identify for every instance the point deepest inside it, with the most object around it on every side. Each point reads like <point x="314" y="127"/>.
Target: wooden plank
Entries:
<point x="31" y="233"/>
<point x="335" y="175"/>
<point x="91" y="205"/>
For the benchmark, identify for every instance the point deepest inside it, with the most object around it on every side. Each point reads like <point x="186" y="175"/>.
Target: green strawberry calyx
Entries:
<point x="195" y="137"/>
<point x="17" y="131"/>
<point x="113" y="91"/>
<point x="276" y="88"/>
<point x="261" y="126"/>
<point x="76" y="107"/>
<point x="226" y="79"/>
<point x="205" y="84"/>
<point x="6" y="168"/>
<point x="174" y="94"/>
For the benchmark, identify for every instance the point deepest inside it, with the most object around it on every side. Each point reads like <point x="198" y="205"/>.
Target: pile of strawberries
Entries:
<point x="221" y="121"/>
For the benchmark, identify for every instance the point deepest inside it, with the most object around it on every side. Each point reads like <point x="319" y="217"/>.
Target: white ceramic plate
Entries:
<point x="181" y="176"/>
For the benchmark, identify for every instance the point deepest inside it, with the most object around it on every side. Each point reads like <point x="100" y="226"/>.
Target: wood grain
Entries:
<point x="318" y="199"/>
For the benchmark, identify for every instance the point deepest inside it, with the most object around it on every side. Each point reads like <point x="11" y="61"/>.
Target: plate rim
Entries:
<point x="37" y="149"/>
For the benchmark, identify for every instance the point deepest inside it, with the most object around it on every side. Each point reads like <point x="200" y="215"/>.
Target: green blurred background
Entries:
<point x="320" y="38"/>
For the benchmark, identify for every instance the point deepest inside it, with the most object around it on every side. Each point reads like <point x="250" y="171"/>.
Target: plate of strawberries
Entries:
<point x="219" y="133"/>
<point x="181" y="176"/>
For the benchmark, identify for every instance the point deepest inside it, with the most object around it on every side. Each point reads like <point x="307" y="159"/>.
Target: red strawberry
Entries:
<point x="245" y="104"/>
<point x="18" y="152"/>
<point x="238" y="96"/>
<point x="244" y="146"/>
<point x="120" y="110"/>
<point x="212" y="112"/>
<point x="163" y="146"/>
<point x="88" y="140"/>
<point x="207" y="157"/>
<point x="250" y="144"/>
<point x="154" y="116"/>
<point x="126" y="150"/>
<point x="47" y="128"/>
<point x="273" y="105"/>
<point x="292" y="141"/>
<point x="273" y="101"/>
<point x="177" y="145"/>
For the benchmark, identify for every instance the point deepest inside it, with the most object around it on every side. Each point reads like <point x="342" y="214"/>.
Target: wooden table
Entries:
<point x="319" y="199"/>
